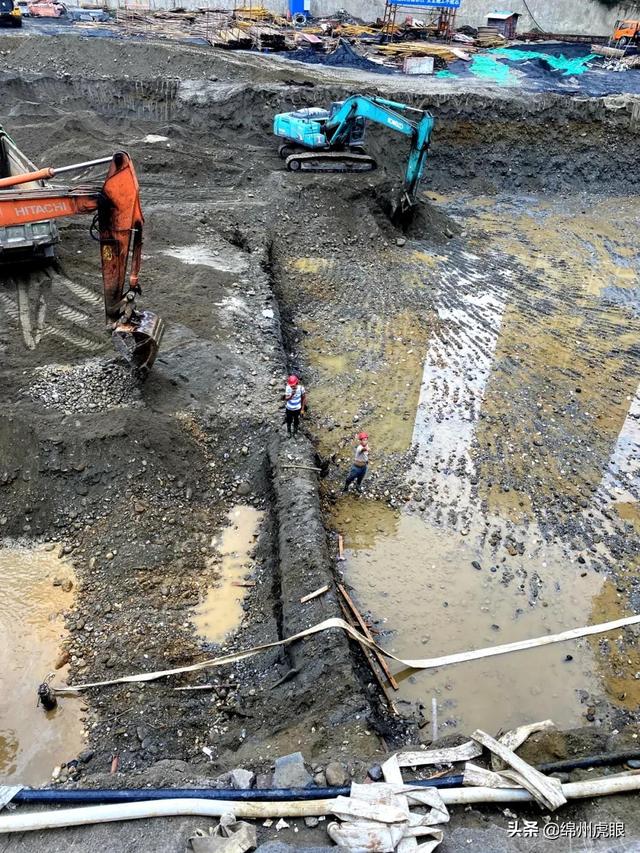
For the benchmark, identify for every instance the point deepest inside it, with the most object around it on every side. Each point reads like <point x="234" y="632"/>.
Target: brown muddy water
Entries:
<point x="32" y="741"/>
<point x="525" y="430"/>
<point x="220" y="611"/>
<point x="420" y="581"/>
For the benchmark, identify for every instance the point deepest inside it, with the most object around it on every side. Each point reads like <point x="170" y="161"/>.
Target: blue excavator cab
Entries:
<point x="306" y="127"/>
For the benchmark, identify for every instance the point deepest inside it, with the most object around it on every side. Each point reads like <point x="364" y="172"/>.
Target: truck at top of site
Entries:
<point x="319" y="140"/>
<point x="626" y="33"/>
<point x="29" y="202"/>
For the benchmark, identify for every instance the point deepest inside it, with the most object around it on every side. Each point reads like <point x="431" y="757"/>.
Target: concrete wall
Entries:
<point x="590" y="17"/>
<point x="553" y="16"/>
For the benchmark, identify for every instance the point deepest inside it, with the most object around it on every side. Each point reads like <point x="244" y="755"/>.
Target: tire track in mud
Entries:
<point x="456" y="369"/>
<point x="460" y="364"/>
<point x="36" y="310"/>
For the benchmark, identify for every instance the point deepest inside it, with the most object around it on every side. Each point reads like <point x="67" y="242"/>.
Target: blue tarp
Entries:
<point x="558" y="66"/>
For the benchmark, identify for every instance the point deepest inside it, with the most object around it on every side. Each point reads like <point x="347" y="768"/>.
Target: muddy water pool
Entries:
<point x="422" y="583"/>
<point x="220" y="611"/>
<point x="32" y="741"/>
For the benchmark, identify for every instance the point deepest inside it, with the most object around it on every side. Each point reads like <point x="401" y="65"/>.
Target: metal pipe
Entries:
<point x="49" y="172"/>
<point x="77" y="166"/>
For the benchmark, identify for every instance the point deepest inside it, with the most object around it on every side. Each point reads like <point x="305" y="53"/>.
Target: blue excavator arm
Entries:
<point x="389" y="114"/>
<point x="331" y="139"/>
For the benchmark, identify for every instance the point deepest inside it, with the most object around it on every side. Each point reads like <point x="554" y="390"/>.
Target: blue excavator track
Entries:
<point x="330" y="161"/>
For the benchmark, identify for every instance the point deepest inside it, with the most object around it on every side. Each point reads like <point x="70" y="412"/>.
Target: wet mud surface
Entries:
<point x="490" y="352"/>
<point x="37" y="592"/>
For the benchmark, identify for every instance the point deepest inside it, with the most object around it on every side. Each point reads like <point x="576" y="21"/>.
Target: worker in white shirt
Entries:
<point x="295" y="396"/>
<point x="360" y="462"/>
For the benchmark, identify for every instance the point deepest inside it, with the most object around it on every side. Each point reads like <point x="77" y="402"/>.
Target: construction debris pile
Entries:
<point x="256" y="28"/>
<point x="413" y="46"/>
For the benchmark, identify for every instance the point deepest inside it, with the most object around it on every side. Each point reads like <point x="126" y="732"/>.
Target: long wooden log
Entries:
<point x="365" y="630"/>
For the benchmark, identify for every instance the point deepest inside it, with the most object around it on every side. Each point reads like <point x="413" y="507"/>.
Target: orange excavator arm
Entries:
<point x="136" y="334"/>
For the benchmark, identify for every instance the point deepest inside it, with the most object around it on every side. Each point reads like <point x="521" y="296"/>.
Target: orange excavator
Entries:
<point x="117" y="225"/>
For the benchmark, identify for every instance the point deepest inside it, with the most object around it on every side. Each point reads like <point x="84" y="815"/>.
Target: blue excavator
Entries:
<point x="318" y="140"/>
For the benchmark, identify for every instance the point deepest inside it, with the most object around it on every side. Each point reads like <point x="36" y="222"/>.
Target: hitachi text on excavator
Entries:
<point x="117" y="225"/>
<point x="319" y="140"/>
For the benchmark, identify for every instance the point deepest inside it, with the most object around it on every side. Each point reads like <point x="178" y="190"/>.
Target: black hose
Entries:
<point x="136" y="795"/>
<point x="133" y="795"/>
<point x="602" y="760"/>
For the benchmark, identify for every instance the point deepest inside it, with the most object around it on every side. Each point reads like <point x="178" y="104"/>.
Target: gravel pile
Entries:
<point x="93" y="386"/>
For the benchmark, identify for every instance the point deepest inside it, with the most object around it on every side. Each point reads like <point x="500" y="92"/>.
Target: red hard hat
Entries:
<point x="292" y="380"/>
<point x="363" y="436"/>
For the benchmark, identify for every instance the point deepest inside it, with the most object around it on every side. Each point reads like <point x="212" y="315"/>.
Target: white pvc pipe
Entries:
<point x="161" y="808"/>
<point x="600" y="787"/>
<point x="303" y="808"/>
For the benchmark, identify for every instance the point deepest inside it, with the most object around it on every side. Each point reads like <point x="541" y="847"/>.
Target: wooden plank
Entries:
<point x="371" y="661"/>
<point x="546" y="790"/>
<point x="447" y="755"/>
<point x="341" y="557"/>
<point x="367" y="633"/>
<point x="315" y="594"/>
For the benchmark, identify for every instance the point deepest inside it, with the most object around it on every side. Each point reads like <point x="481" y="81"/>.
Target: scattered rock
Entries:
<point x="375" y="772"/>
<point x="264" y="781"/>
<point x="290" y="772"/>
<point x="242" y="779"/>
<point x="336" y="774"/>
<point x="62" y="660"/>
